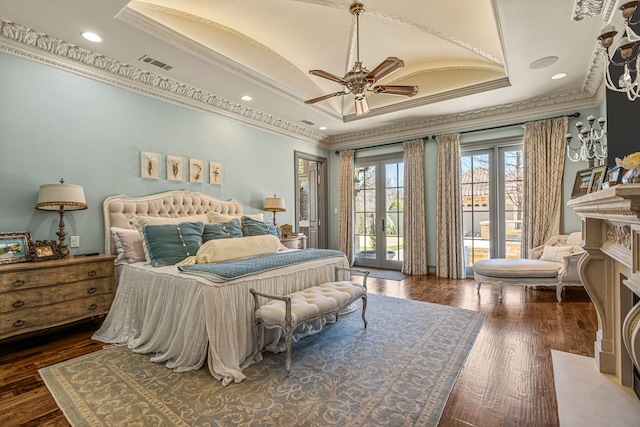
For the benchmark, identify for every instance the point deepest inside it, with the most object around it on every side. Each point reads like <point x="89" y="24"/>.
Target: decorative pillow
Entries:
<point x="226" y="249"/>
<point x="223" y="230"/>
<point x="251" y="227"/>
<point x="217" y="218"/>
<point x="169" y="244"/>
<point x="556" y="253"/>
<point x="140" y="221"/>
<point x="118" y="244"/>
<point x="130" y="242"/>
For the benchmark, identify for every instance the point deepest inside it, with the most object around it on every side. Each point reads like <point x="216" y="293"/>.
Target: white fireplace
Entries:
<point x="611" y="274"/>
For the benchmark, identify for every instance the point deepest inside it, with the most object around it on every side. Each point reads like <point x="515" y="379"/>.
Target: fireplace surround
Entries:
<point x="611" y="275"/>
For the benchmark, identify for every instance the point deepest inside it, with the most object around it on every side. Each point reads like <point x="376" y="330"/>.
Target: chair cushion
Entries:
<point x="521" y="268"/>
<point x="556" y="253"/>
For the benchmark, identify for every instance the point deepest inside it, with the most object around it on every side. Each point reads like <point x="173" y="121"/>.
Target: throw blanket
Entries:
<point x="234" y="269"/>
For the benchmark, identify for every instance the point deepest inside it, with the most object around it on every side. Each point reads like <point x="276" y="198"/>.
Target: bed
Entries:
<point x="184" y="319"/>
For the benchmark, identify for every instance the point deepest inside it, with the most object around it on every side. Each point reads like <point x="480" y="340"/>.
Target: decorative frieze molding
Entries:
<point x="587" y="8"/>
<point x="619" y="235"/>
<point x="100" y="67"/>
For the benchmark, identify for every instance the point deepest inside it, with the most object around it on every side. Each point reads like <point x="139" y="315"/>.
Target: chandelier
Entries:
<point x="592" y="144"/>
<point x="628" y="81"/>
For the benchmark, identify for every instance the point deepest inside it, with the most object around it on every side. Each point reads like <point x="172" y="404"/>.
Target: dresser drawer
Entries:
<point x="294" y="243"/>
<point x="34" y="277"/>
<point x="31" y="319"/>
<point x="35" y="297"/>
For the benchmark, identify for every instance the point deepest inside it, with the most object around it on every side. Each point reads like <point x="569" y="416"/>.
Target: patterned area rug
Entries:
<point x="379" y="273"/>
<point x="397" y="372"/>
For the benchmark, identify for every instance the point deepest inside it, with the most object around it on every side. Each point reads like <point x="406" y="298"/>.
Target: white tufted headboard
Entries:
<point x="118" y="210"/>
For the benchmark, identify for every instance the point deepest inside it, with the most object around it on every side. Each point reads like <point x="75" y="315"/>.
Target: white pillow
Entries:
<point x="131" y="244"/>
<point x="217" y="218"/>
<point x="240" y="247"/>
<point x="556" y="253"/>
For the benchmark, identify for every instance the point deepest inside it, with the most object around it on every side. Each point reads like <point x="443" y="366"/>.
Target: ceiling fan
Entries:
<point x="359" y="80"/>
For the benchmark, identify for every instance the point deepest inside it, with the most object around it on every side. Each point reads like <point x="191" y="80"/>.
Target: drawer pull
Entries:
<point x="18" y="304"/>
<point x="18" y="323"/>
<point x="91" y="290"/>
<point x="18" y="282"/>
<point x="93" y="307"/>
<point x="92" y="273"/>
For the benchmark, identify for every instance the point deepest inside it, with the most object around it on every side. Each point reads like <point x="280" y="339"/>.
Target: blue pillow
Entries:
<point x="224" y="230"/>
<point x="252" y="227"/>
<point x="169" y="244"/>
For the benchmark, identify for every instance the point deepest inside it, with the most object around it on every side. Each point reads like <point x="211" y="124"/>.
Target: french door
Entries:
<point x="492" y="192"/>
<point x="379" y="198"/>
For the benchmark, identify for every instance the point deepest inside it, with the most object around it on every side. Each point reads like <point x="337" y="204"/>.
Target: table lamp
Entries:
<point x="61" y="197"/>
<point x="274" y="204"/>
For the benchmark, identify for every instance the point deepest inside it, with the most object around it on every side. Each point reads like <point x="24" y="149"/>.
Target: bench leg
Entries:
<point x="287" y="340"/>
<point x="499" y="286"/>
<point x="559" y="289"/>
<point x="364" y="309"/>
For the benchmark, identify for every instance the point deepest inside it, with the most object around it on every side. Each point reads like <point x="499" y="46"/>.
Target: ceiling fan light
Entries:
<point x="362" y="107"/>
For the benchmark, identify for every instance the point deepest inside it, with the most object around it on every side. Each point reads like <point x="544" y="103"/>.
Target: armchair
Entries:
<point x="555" y="264"/>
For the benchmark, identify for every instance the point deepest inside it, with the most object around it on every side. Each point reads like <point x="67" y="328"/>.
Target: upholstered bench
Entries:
<point x="289" y="311"/>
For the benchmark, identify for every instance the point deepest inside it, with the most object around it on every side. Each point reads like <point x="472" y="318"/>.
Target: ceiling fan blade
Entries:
<point x="387" y="67"/>
<point x="396" y="90"/>
<point x="328" y="76"/>
<point x="323" y="97"/>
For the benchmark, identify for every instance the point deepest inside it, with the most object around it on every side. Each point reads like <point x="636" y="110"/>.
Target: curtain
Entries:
<point x="346" y="218"/>
<point x="544" y="143"/>
<point x="415" y="241"/>
<point x="449" y="236"/>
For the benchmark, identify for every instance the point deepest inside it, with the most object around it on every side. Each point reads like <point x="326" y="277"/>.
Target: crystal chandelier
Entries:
<point x="592" y="143"/>
<point x="628" y="81"/>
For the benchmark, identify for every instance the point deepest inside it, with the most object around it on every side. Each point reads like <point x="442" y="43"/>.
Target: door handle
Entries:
<point x="383" y="225"/>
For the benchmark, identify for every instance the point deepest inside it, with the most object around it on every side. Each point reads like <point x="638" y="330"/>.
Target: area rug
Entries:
<point x="379" y="273"/>
<point x="397" y="372"/>
<point x="587" y="397"/>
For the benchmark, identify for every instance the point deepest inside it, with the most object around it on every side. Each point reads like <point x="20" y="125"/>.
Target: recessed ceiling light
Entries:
<point x="559" y="76"/>
<point x="92" y="37"/>
<point x="246" y="98"/>
<point x="322" y="128"/>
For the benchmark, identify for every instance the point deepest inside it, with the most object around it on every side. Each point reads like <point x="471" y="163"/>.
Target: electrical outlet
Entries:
<point x="75" y="241"/>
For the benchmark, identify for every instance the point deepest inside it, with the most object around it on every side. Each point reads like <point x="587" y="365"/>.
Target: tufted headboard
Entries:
<point x="118" y="210"/>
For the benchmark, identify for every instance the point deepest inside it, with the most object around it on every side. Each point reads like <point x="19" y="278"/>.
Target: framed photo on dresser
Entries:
<point x="14" y="247"/>
<point x="582" y="184"/>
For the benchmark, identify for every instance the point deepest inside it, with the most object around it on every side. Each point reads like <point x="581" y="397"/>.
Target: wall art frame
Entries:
<point x="175" y="169"/>
<point x="149" y="165"/>
<point x="196" y="170"/>
<point x="215" y="173"/>
<point x="14" y="247"/>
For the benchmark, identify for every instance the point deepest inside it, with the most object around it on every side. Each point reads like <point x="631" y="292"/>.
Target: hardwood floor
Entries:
<point x="506" y="381"/>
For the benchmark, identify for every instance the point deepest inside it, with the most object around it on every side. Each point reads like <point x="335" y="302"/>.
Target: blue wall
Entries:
<point x="55" y="124"/>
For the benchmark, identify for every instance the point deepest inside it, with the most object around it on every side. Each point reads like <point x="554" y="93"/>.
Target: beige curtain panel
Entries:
<point x="544" y="143"/>
<point x="415" y="241"/>
<point x="449" y="240"/>
<point x="346" y="216"/>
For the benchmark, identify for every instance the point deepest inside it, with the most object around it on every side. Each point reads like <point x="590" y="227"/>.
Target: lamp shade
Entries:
<point x="52" y="196"/>
<point x="274" y="204"/>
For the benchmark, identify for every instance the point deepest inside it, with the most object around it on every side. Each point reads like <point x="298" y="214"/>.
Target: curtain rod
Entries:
<point x="573" y="115"/>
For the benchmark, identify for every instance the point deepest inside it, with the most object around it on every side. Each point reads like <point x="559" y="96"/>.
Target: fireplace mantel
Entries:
<point x="611" y="274"/>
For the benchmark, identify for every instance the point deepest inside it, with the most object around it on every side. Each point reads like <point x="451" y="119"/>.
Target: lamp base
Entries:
<point x="63" y="250"/>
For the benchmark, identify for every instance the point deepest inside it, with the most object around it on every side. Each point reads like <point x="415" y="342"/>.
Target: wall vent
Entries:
<point x="155" y="62"/>
<point x="307" y="122"/>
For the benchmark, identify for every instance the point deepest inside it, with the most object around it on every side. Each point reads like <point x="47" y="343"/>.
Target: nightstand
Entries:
<point x="35" y="296"/>
<point x="295" y="242"/>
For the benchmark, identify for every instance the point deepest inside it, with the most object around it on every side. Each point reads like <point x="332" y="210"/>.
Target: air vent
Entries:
<point x="307" y="122"/>
<point x="155" y="62"/>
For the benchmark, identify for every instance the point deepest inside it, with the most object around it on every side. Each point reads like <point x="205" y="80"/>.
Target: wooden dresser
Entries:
<point x="35" y="296"/>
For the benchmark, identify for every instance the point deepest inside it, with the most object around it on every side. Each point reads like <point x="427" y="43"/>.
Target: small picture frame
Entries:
<point x="149" y="165"/>
<point x="14" y="247"/>
<point x="597" y="176"/>
<point x="582" y="184"/>
<point x="43" y="250"/>
<point x="196" y="170"/>
<point x="215" y="173"/>
<point x="287" y="230"/>
<point x="174" y="168"/>
<point x="614" y="177"/>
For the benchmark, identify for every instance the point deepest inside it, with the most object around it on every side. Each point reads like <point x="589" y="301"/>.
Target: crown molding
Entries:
<point x="21" y="41"/>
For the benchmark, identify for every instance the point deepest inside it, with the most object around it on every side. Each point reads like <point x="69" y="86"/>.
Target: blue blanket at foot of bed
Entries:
<point x="234" y="269"/>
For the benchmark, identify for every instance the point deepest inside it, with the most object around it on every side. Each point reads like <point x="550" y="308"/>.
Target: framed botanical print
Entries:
<point x="215" y="173"/>
<point x="196" y="170"/>
<point x="582" y="184"/>
<point x="174" y="168"/>
<point x="149" y="165"/>
<point x="14" y="247"/>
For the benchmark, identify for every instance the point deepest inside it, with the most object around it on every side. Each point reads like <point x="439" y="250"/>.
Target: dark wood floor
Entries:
<point x="506" y="381"/>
